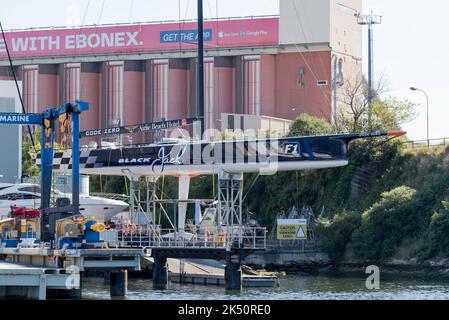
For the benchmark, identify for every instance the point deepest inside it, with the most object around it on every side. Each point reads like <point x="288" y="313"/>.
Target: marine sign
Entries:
<point x="145" y="127"/>
<point x="20" y="118"/>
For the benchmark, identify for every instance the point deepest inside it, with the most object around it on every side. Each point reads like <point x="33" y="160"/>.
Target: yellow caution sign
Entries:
<point x="292" y="229"/>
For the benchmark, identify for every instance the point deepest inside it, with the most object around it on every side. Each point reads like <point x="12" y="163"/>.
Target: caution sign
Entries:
<point x="292" y="229"/>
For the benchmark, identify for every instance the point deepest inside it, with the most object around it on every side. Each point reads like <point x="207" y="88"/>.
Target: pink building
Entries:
<point x="273" y="66"/>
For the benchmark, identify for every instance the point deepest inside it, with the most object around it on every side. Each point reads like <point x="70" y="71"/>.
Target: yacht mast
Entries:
<point x="201" y="115"/>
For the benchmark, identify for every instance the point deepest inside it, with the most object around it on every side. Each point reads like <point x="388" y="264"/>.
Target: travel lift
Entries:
<point x="64" y="209"/>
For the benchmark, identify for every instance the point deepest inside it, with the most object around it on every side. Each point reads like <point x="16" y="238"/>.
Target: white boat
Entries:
<point x="28" y="195"/>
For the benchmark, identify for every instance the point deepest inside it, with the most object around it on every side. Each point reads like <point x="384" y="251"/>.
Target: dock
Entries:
<point x="209" y="272"/>
<point x="26" y="281"/>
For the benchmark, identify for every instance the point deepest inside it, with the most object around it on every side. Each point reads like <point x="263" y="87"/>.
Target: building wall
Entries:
<point x="346" y="33"/>
<point x="279" y="85"/>
<point x="48" y="94"/>
<point x="133" y="97"/>
<point x="304" y="21"/>
<point x="346" y="44"/>
<point x="159" y="89"/>
<point x="268" y="85"/>
<point x="30" y="76"/>
<point x="178" y="89"/>
<point x="10" y="161"/>
<point x="91" y="91"/>
<point x="296" y="94"/>
<point x="224" y="87"/>
<point x="6" y="73"/>
<point x="133" y="92"/>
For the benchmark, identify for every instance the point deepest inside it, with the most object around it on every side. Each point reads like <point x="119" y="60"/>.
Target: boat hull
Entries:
<point x="259" y="156"/>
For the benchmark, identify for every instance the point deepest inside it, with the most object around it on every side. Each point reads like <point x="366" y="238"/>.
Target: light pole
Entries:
<point x="427" y="108"/>
<point x="370" y="20"/>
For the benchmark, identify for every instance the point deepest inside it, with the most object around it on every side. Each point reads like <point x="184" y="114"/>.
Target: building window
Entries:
<point x="321" y="83"/>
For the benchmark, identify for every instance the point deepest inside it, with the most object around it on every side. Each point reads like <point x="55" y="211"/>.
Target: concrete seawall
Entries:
<point x="289" y="259"/>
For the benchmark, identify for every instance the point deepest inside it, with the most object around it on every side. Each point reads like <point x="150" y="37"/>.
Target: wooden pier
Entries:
<point x="207" y="273"/>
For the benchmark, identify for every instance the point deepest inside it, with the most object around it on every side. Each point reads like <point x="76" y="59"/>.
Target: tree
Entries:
<point x="306" y="125"/>
<point x="29" y="166"/>
<point x="386" y="114"/>
<point x="391" y="114"/>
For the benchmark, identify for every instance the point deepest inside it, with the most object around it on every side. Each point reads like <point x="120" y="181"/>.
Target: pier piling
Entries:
<point x="233" y="274"/>
<point x="119" y="283"/>
<point x="160" y="273"/>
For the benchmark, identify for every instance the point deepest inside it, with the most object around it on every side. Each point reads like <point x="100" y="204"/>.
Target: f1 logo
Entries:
<point x="291" y="148"/>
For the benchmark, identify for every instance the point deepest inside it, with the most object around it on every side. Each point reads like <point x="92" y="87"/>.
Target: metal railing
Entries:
<point x="40" y="28"/>
<point x="226" y="237"/>
<point x="431" y="143"/>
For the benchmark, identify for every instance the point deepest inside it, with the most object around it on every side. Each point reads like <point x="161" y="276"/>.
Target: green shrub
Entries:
<point x="385" y="225"/>
<point x="439" y="232"/>
<point x="336" y="233"/>
<point x="306" y="125"/>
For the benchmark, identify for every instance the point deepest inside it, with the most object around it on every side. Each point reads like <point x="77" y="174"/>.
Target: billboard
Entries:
<point x="140" y="38"/>
<point x="292" y="229"/>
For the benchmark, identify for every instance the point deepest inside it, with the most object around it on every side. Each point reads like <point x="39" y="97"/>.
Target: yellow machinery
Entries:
<point x="14" y="231"/>
<point x="78" y="230"/>
<point x="7" y="229"/>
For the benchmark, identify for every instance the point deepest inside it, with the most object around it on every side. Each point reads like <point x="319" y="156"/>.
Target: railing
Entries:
<point x="226" y="237"/>
<point x="141" y="22"/>
<point x="431" y="143"/>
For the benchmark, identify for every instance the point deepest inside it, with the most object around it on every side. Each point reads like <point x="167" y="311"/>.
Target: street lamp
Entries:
<point x="427" y="99"/>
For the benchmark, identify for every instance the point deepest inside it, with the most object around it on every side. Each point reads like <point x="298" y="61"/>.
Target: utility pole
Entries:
<point x="370" y="20"/>
<point x="201" y="115"/>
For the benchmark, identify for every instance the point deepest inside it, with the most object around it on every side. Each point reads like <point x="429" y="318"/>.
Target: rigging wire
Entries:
<point x="131" y="8"/>
<point x="17" y="84"/>
<point x="220" y="107"/>
<point x="83" y="23"/>
<point x="305" y="36"/>
<point x="251" y="187"/>
<point x="96" y="29"/>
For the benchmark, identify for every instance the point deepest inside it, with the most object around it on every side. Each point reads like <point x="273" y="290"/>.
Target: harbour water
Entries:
<point x="292" y="287"/>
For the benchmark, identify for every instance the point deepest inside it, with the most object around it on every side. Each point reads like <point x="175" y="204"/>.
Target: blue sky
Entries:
<point x="410" y="46"/>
